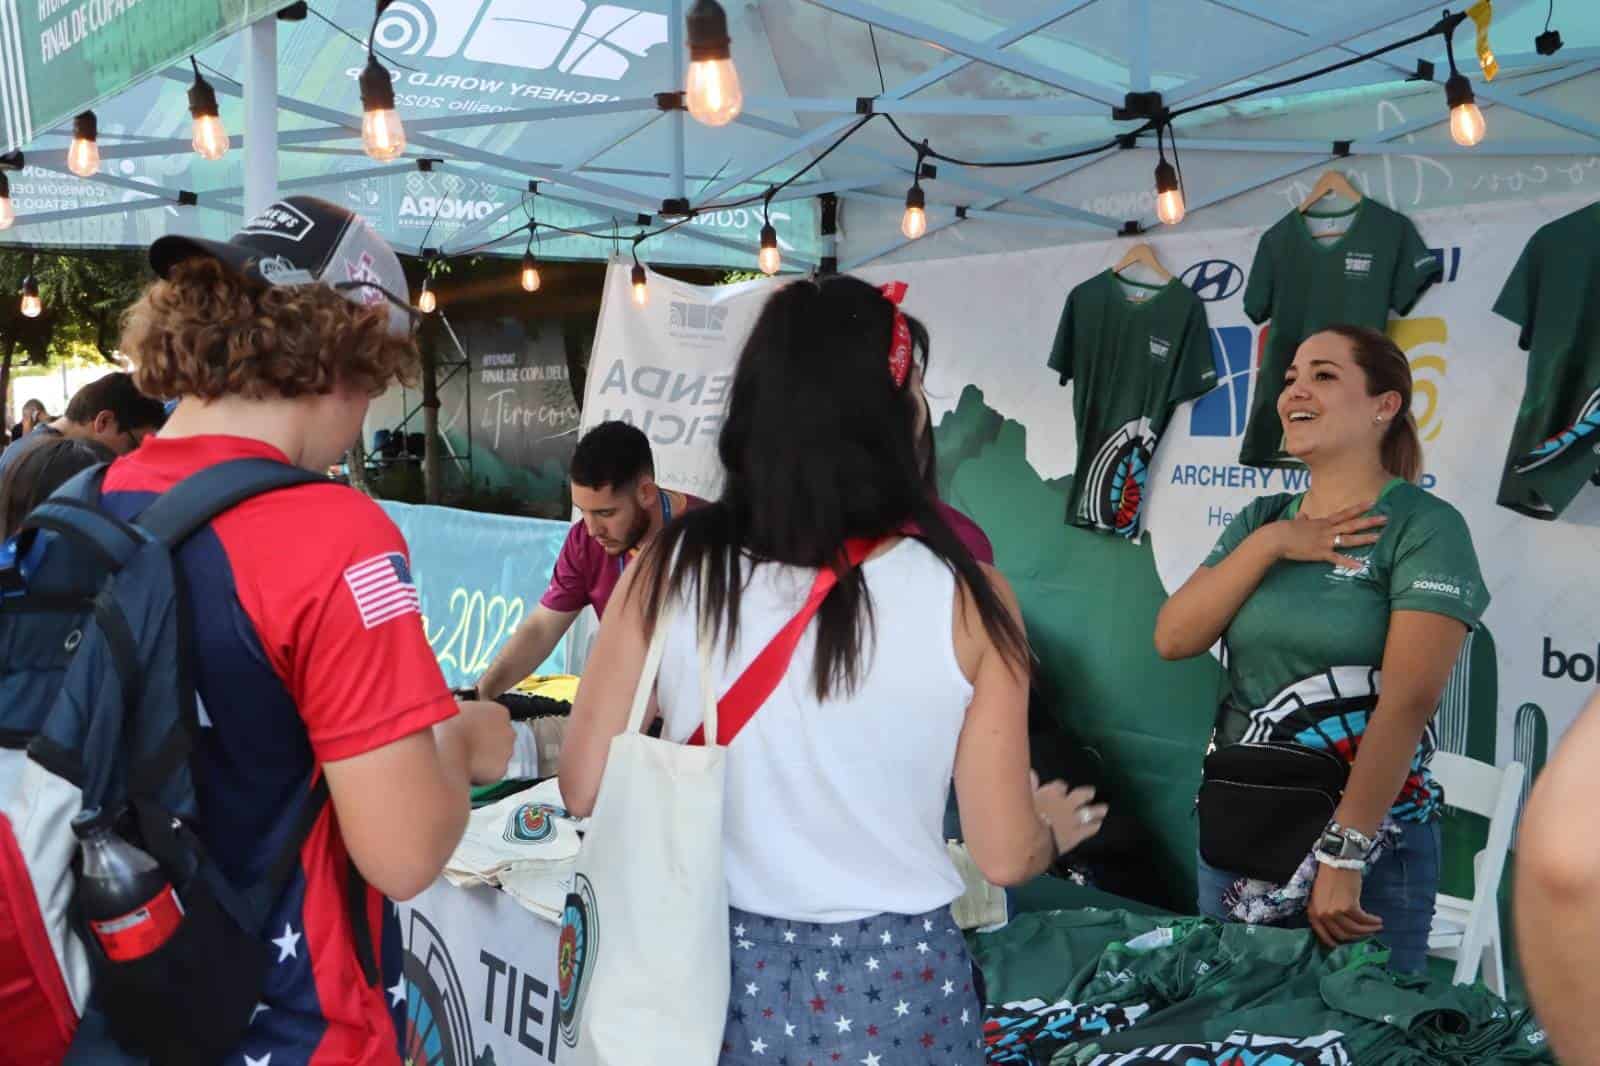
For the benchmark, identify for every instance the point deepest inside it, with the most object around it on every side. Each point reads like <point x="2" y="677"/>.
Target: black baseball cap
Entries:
<point x="303" y="240"/>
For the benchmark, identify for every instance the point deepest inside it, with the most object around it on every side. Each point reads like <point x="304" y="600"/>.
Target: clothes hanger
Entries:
<point x="1142" y="253"/>
<point x="1331" y="182"/>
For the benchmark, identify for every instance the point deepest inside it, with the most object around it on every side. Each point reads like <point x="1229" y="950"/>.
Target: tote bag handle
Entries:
<point x="652" y="669"/>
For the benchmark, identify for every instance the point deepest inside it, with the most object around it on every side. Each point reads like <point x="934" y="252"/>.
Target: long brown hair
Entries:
<point x="1388" y="370"/>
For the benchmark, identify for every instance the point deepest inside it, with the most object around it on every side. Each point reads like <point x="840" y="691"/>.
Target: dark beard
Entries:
<point x="639" y="531"/>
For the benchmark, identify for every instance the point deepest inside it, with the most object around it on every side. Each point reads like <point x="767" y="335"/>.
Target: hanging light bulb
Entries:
<point x="210" y="139"/>
<point x="770" y="259"/>
<point x="1169" y="198"/>
<point x="712" y="93"/>
<point x="32" y="306"/>
<point x="914" y="223"/>
<point x="83" y="158"/>
<point x="530" y="273"/>
<point x="1466" y="121"/>
<point x="426" y="300"/>
<point x="8" y="214"/>
<point x="382" y="134"/>
<point x="641" y="293"/>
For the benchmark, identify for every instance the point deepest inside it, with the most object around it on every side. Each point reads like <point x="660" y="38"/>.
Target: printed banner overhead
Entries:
<point x="64" y="56"/>
<point x="456" y="64"/>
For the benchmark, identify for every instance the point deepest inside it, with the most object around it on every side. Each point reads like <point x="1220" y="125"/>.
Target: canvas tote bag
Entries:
<point x="643" y="966"/>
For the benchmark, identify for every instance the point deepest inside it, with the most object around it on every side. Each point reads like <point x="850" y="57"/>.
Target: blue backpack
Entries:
<point x="97" y="709"/>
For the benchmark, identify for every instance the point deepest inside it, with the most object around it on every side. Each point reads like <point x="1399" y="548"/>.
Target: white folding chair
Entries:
<point x="1468" y="930"/>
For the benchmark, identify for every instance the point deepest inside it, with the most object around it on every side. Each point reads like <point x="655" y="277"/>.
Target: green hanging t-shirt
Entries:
<point x="1304" y="653"/>
<point x="1132" y="361"/>
<point x="1305" y="284"/>
<point x="1551" y="294"/>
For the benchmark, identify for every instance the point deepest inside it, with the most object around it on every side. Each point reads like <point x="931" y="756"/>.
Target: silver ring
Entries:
<point x="1338" y="539"/>
<point x="1085" y="816"/>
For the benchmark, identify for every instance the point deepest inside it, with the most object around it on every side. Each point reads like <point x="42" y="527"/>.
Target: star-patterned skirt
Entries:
<point x="890" y="990"/>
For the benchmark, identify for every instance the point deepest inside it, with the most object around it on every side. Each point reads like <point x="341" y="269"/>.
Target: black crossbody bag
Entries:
<point x="1262" y="806"/>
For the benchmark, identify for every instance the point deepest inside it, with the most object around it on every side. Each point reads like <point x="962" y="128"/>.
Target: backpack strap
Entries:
<point x="73" y="511"/>
<point x="197" y="499"/>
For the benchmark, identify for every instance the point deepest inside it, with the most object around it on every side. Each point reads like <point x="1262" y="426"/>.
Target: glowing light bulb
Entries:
<point x="383" y="136"/>
<point x="8" y="214"/>
<point x="1169" y="198"/>
<point x="210" y="138"/>
<point x="83" y="157"/>
<point x="914" y="223"/>
<point x="769" y="259"/>
<point x="530" y="274"/>
<point x="1467" y="127"/>
<point x="641" y="292"/>
<point x="712" y="92"/>
<point x="427" y="302"/>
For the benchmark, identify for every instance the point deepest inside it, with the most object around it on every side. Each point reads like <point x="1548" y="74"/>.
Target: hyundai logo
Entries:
<point x="1214" y="279"/>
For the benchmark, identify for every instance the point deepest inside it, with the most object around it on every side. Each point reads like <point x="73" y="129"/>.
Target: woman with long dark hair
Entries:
<point x="915" y="667"/>
<point x="1342" y="611"/>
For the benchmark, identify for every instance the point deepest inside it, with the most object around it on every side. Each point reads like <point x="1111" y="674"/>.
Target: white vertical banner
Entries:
<point x="667" y="367"/>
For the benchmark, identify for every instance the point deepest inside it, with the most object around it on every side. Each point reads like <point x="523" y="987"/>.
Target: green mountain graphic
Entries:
<point x="1090" y="603"/>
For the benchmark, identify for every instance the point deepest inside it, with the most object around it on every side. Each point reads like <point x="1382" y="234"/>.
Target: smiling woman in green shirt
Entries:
<point x="1341" y="612"/>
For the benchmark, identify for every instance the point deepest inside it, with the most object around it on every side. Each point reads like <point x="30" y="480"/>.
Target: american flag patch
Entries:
<point x="383" y="589"/>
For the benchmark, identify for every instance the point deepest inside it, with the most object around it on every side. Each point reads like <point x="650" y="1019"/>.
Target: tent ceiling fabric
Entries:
<point x="981" y="79"/>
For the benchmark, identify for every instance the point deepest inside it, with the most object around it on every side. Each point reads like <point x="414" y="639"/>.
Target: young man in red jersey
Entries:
<point x="310" y="656"/>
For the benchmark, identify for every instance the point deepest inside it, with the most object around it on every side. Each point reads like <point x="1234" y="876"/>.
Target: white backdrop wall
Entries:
<point x="993" y="319"/>
<point x="667" y="367"/>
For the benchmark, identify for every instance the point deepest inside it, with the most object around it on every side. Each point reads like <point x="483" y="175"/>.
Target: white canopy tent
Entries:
<point x="503" y="96"/>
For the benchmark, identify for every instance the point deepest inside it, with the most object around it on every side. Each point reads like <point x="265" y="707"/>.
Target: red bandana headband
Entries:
<point x="900" y="339"/>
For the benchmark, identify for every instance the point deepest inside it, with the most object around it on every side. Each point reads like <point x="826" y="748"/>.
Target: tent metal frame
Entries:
<point x="582" y="185"/>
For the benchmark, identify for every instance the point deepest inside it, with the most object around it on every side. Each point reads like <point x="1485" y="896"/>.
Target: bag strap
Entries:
<point x="652" y="668"/>
<point x="193" y="502"/>
<point x="762" y="676"/>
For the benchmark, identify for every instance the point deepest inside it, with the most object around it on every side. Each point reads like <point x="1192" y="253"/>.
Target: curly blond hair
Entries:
<point x="207" y="332"/>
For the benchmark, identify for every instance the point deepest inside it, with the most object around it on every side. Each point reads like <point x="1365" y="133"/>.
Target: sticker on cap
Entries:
<point x="282" y="220"/>
<point x="364" y="271"/>
<point x="277" y="270"/>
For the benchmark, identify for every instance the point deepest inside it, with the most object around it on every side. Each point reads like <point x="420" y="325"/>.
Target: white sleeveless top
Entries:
<point x="835" y="811"/>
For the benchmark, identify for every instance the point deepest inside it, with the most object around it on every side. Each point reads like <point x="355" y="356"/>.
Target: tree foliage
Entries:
<point x="84" y="296"/>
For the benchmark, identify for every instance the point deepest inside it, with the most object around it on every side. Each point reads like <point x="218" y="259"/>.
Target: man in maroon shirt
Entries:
<point x="614" y="485"/>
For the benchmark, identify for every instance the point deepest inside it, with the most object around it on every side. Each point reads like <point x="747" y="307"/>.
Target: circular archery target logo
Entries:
<point x="1114" y="495"/>
<point x="531" y="823"/>
<point x="407" y="28"/>
<point x="575" y="952"/>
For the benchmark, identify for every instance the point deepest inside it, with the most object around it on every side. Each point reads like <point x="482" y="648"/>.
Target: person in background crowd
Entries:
<point x="917" y="664"/>
<point x="613" y="477"/>
<point x="110" y="411"/>
<point x="33" y="413"/>
<point x="30" y="480"/>
<point x="1342" y="610"/>
<point x="311" y="659"/>
<point x="1558" y="892"/>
